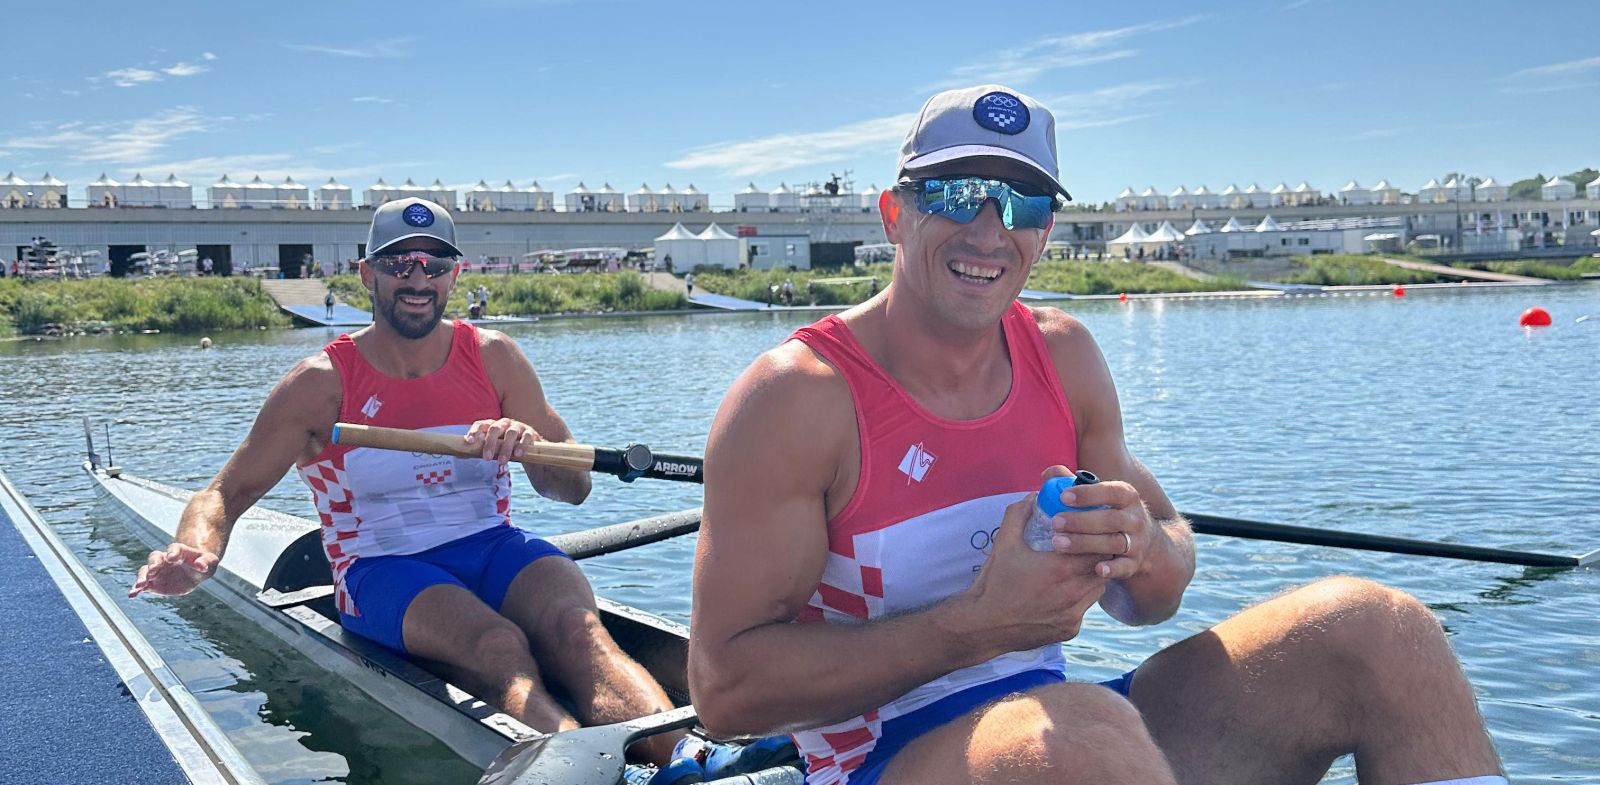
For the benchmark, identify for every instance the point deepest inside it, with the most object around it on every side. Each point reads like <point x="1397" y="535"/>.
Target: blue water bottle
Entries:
<point x="1039" y="531"/>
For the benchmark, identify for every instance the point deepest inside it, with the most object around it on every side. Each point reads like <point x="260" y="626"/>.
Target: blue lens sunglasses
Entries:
<point x="960" y="199"/>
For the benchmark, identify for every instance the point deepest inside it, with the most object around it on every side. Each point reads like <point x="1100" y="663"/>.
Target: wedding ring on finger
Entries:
<point x="1127" y="543"/>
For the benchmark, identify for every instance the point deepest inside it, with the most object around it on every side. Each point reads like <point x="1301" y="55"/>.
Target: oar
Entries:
<point x="583" y="756"/>
<point x="1306" y="535"/>
<point x="629" y="463"/>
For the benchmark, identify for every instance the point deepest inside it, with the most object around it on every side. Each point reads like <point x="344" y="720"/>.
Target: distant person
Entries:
<point x="788" y="292"/>
<point x="872" y="287"/>
<point x="483" y="297"/>
<point x="668" y="261"/>
<point x="688" y="284"/>
<point x="205" y="266"/>
<point x="327" y="302"/>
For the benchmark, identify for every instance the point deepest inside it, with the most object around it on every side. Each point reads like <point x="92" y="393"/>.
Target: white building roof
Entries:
<point x="1454" y="182"/>
<point x="1351" y="186"/>
<point x="1488" y="182"/>
<point x="257" y="183"/>
<point x="1180" y="192"/>
<point x="48" y="180"/>
<point x="1432" y="185"/>
<point x="1280" y="188"/>
<point x="605" y="188"/>
<point x="1555" y="182"/>
<point x="581" y="189"/>
<point x="409" y="184"/>
<point x="104" y="181"/>
<point x="1149" y="191"/>
<point x="1268" y="225"/>
<point x="508" y="188"/>
<point x="1135" y="234"/>
<point x="535" y="189"/>
<point x="781" y="189"/>
<point x="1383" y="185"/>
<point x="668" y="189"/>
<point x="1230" y="190"/>
<point x="138" y="180"/>
<point x="1126" y="193"/>
<point x="172" y="181"/>
<point x="334" y="185"/>
<point x="481" y="187"/>
<point x="644" y="189"/>
<point x="1232" y="225"/>
<point x="1198" y="228"/>
<point x="13" y="180"/>
<point x="1252" y="189"/>
<point x="224" y="182"/>
<point x="752" y="189"/>
<point x="692" y="191"/>
<point x="1304" y="188"/>
<point x="1202" y="191"/>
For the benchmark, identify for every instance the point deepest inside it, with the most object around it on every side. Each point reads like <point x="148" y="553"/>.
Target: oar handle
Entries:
<point x="557" y="454"/>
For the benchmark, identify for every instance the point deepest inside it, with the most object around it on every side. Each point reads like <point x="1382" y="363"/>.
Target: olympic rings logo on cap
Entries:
<point x="418" y="215"/>
<point x="1002" y="113"/>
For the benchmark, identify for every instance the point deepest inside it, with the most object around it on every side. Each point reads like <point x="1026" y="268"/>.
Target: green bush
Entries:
<point x="539" y="293"/>
<point x="1084" y="277"/>
<point x="166" y="304"/>
<point x="757" y="285"/>
<point x="1347" y="270"/>
<point x="1588" y="264"/>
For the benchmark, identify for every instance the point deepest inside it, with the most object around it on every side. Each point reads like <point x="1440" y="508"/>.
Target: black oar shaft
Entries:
<point x="1305" y="535"/>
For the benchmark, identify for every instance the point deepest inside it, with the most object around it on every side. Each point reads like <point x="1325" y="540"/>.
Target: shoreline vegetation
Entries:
<point x="195" y="305"/>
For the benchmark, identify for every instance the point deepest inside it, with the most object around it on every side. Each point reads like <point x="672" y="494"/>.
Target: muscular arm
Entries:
<point x="522" y="399"/>
<point x="778" y="448"/>
<point x="1154" y="593"/>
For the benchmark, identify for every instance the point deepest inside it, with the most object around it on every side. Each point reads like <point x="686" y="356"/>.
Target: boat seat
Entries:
<point x="301" y="566"/>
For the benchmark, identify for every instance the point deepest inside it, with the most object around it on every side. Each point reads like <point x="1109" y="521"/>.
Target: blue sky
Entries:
<point x="719" y="94"/>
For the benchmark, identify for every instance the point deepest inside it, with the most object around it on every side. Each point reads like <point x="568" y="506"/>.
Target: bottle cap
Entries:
<point x="1050" y="495"/>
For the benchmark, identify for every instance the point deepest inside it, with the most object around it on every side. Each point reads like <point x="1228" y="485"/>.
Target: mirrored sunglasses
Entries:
<point x="400" y="265"/>
<point x="959" y="199"/>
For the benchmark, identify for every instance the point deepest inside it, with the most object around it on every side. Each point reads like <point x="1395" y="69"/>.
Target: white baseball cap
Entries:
<point x="984" y="121"/>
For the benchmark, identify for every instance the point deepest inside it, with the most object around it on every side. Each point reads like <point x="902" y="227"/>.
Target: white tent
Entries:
<point x="1255" y="197"/>
<point x="1166" y="233"/>
<point x="1430" y="192"/>
<point x="259" y="193"/>
<point x="293" y="196"/>
<point x="1268" y="225"/>
<point x="410" y="190"/>
<point x="869" y="198"/>
<point x="1198" y="228"/>
<point x="1305" y="194"/>
<point x="678" y="249"/>
<point x="1204" y="199"/>
<point x="670" y="200"/>
<point x="644" y="200"/>
<point x="1127" y="200"/>
<point x="1233" y="225"/>
<point x="1384" y="193"/>
<point x="609" y="200"/>
<point x="1281" y="195"/>
<point x="140" y="192"/>
<point x="1180" y="199"/>
<point x="720" y="247"/>
<point x="509" y="197"/>
<point x="751" y="200"/>
<point x="1150" y="199"/>
<point x="1353" y="193"/>
<point x="581" y="200"/>
<point x="103" y="192"/>
<point x="1592" y="190"/>
<point x="1456" y="190"/>
<point x="1125" y="242"/>
<point x="15" y="192"/>
<point x="540" y="200"/>
<point x="784" y="200"/>
<point x="175" y="193"/>
<point x="695" y="200"/>
<point x="378" y="193"/>
<point x="1490" y="191"/>
<point x="224" y="193"/>
<point x="482" y="198"/>
<point x="1232" y="198"/>
<point x="1559" y="188"/>
<point x="442" y="195"/>
<point x="333" y="196"/>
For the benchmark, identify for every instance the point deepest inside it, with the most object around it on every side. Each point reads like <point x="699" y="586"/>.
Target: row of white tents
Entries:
<point x="1137" y="235"/>
<point x="1281" y="195"/>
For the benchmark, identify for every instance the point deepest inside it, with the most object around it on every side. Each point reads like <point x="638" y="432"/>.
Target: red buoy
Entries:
<point x="1123" y="298"/>
<point x="1535" y="317"/>
<point x="1399" y="291"/>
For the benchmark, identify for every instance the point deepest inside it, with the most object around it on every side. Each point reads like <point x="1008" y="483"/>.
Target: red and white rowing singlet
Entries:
<point x="930" y="495"/>
<point x="384" y="502"/>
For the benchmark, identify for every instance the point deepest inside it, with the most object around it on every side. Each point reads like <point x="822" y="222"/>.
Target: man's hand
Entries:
<point x="503" y="440"/>
<point x="1122" y="531"/>
<point x="1033" y="598"/>
<point x="174" y="571"/>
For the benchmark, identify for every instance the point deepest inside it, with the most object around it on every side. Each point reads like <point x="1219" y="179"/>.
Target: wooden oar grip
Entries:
<point x="557" y="454"/>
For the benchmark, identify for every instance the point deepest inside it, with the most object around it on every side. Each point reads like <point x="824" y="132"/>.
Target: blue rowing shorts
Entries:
<point x="382" y="587"/>
<point x="900" y="731"/>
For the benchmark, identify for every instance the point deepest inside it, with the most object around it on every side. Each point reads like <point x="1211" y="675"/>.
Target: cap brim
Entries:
<point x="959" y="152"/>
<point x="379" y="249"/>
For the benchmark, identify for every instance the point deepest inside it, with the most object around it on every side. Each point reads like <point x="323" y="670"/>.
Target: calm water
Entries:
<point x="1433" y="417"/>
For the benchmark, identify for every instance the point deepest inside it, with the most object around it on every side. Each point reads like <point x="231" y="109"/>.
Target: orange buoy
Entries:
<point x="1535" y="317"/>
<point x="1399" y="291"/>
<point x="1123" y="297"/>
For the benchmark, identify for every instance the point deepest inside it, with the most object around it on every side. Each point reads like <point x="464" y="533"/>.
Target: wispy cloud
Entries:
<point x="1379" y="133"/>
<point x="133" y="76"/>
<point x="1021" y="64"/>
<point x="391" y="49"/>
<point x="1549" y="88"/>
<point x="1560" y="69"/>
<point x="1297" y="4"/>
<point x="790" y="150"/>
<point x="130" y="143"/>
<point x="372" y="99"/>
<point x="1107" y="106"/>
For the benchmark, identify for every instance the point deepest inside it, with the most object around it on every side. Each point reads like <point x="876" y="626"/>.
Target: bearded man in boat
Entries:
<point x="862" y="579"/>
<point x="424" y="556"/>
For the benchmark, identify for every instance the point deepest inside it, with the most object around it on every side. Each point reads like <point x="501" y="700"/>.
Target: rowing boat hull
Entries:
<point x="473" y="729"/>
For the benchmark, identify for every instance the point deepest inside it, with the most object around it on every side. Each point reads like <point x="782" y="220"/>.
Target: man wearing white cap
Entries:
<point x="425" y="559"/>
<point x="862" y="578"/>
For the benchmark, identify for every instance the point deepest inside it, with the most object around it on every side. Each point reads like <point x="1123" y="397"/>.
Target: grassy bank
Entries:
<point x="1081" y="277"/>
<point x="757" y="285"/>
<point x="1338" y="270"/>
<point x="523" y="295"/>
<point x="113" y="305"/>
